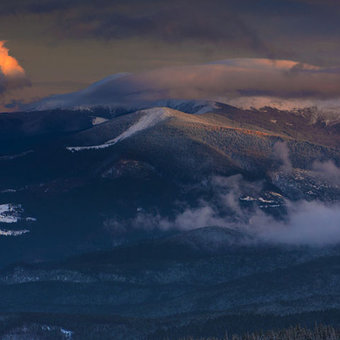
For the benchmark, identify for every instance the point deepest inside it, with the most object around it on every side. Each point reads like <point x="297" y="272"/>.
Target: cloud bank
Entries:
<point x="222" y="81"/>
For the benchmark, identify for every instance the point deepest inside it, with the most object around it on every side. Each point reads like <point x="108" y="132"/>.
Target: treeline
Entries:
<point x="319" y="332"/>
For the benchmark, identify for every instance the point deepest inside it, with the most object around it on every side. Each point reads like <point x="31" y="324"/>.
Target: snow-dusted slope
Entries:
<point x="149" y="119"/>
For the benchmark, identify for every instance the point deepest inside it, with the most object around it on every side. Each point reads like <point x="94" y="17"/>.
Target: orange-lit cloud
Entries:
<point x="9" y="66"/>
<point x="12" y="75"/>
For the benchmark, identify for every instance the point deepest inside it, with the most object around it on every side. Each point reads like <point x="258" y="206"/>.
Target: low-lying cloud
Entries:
<point x="281" y="153"/>
<point x="308" y="223"/>
<point x="328" y="171"/>
<point x="312" y="223"/>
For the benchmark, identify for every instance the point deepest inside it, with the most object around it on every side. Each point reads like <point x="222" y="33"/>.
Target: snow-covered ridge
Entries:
<point x="150" y="118"/>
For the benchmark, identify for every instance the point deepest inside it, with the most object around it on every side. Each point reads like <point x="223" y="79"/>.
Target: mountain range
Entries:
<point x="161" y="217"/>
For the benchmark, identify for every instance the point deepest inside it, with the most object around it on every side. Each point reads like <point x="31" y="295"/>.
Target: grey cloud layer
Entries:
<point x="236" y="23"/>
<point x="178" y="22"/>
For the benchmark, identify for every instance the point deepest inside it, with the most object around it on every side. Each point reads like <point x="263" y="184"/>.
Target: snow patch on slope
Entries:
<point x="11" y="157"/>
<point x="6" y="191"/>
<point x="4" y="232"/>
<point x="150" y="118"/>
<point x="66" y="333"/>
<point x="11" y="213"/>
<point x="98" y="120"/>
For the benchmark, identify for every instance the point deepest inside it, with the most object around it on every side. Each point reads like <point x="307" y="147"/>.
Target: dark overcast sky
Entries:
<point x="64" y="45"/>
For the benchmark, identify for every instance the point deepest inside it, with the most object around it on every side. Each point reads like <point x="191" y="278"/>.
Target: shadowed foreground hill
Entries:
<point x="320" y="332"/>
<point x="80" y="327"/>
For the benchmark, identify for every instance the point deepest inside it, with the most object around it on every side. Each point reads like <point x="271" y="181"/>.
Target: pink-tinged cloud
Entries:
<point x="12" y="75"/>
